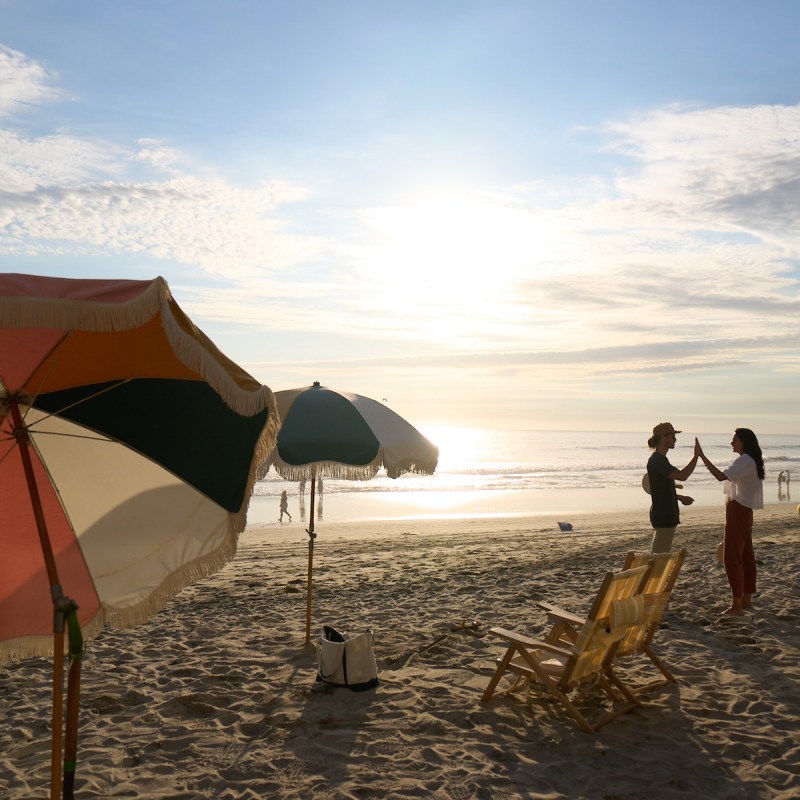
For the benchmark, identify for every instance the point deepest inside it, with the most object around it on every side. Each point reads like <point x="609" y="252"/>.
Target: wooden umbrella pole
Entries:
<point x="58" y="714"/>
<point x="23" y="440"/>
<point x="311" y="537"/>
<point x="73" y="702"/>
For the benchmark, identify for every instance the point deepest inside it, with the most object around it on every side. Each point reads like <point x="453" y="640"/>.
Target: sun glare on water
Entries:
<point x="458" y="447"/>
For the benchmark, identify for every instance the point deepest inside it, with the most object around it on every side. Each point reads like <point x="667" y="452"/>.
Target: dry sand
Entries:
<point x="216" y="697"/>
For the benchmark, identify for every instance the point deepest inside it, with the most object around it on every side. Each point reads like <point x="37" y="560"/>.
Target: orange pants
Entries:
<point x="740" y="560"/>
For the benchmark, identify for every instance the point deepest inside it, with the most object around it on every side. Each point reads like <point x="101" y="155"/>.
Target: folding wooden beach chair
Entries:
<point x="657" y="590"/>
<point x="560" y="670"/>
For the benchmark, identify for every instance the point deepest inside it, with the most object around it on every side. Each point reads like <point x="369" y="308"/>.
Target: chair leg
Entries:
<point x="502" y="664"/>
<point x="583" y="723"/>
<point x="629" y="696"/>
<point x="657" y="661"/>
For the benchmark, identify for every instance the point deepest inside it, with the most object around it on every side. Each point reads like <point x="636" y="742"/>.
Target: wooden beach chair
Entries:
<point x="560" y="670"/>
<point x="657" y="590"/>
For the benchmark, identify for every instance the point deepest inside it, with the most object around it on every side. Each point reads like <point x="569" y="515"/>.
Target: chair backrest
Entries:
<point x="664" y="569"/>
<point x="596" y="642"/>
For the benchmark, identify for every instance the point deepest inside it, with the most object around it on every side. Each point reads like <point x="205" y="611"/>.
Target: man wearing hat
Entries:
<point x="664" y="514"/>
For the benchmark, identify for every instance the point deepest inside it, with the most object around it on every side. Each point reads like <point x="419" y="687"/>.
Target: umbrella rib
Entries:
<point x="10" y="449"/>
<point x="78" y="402"/>
<point x="97" y="438"/>
<point x="58" y="350"/>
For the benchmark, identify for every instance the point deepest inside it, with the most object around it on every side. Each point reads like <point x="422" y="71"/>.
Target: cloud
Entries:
<point x="63" y="194"/>
<point x="726" y="168"/>
<point x="23" y="83"/>
<point x="221" y="229"/>
<point x="54" y="161"/>
<point x="687" y="249"/>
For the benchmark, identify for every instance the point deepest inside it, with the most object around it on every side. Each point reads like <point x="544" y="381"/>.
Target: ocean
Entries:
<point x="515" y="473"/>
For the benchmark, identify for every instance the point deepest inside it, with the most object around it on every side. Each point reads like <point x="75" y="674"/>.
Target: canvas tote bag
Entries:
<point x="345" y="660"/>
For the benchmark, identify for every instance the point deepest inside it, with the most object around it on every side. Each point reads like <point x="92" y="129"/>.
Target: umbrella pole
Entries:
<point x="73" y="701"/>
<point x="311" y="537"/>
<point x="58" y="714"/>
<point x="60" y="603"/>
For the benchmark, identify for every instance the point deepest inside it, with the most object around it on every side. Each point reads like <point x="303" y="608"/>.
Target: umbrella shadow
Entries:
<point x="331" y="728"/>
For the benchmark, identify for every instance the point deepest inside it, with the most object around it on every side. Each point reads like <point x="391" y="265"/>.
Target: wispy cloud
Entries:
<point x="721" y="169"/>
<point x="23" y="83"/>
<point x="682" y="260"/>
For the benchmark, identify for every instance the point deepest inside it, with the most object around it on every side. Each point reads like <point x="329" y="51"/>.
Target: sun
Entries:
<point x="448" y="250"/>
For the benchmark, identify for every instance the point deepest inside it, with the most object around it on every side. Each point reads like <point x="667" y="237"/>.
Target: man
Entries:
<point x="664" y="514"/>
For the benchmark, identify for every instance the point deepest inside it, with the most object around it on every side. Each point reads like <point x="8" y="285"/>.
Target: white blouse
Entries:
<point x="743" y="484"/>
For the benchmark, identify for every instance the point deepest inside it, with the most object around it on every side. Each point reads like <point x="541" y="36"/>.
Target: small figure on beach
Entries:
<point x="285" y="506"/>
<point x="744" y="492"/>
<point x="664" y="513"/>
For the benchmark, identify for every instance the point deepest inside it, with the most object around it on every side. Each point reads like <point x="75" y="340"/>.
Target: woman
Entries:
<point x="744" y="493"/>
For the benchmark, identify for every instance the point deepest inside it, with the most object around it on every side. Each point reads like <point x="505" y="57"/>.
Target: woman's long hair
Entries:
<point x="752" y="448"/>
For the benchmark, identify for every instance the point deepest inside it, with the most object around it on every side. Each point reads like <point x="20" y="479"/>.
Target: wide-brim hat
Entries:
<point x="664" y="429"/>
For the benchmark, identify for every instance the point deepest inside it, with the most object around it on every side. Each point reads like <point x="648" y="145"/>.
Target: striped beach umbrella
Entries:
<point x="129" y="445"/>
<point x="329" y="433"/>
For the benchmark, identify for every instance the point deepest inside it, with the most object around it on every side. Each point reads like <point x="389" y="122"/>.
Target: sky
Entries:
<point x="514" y="214"/>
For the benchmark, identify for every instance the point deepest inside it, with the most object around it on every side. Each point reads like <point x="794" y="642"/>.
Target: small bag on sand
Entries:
<point x="346" y="660"/>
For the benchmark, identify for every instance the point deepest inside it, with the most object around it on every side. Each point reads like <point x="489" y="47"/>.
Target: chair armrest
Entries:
<point x="558" y="613"/>
<point x="518" y="638"/>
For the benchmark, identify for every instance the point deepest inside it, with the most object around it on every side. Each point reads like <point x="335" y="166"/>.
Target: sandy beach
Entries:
<point x="216" y="696"/>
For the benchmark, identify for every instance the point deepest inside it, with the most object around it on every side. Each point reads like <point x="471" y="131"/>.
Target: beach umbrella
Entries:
<point x="129" y="446"/>
<point x="330" y="433"/>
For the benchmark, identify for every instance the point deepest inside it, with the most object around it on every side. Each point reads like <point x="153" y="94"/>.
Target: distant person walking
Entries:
<point x="744" y="492"/>
<point x="664" y="514"/>
<point x="285" y="506"/>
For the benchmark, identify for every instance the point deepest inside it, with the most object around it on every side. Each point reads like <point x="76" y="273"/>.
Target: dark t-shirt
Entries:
<point x="664" y="499"/>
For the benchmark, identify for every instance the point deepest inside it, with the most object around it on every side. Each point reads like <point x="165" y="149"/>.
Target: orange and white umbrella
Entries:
<point x="129" y="445"/>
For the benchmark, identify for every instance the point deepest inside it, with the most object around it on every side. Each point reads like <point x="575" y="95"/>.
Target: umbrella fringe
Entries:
<point x="118" y="618"/>
<point x="325" y="469"/>
<point x="86" y="315"/>
<point x="42" y="646"/>
<point x="176" y="582"/>
<point x="238" y="390"/>
<point x="191" y="346"/>
<point x="350" y="472"/>
<point x="419" y="468"/>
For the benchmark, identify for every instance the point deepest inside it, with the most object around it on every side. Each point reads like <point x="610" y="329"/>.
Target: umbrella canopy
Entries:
<point x="330" y="433"/>
<point x="326" y="432"/>
<point x="128" y="449"/>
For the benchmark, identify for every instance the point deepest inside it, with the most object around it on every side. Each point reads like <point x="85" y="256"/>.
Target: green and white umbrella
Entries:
<point x="330" y="433"/>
